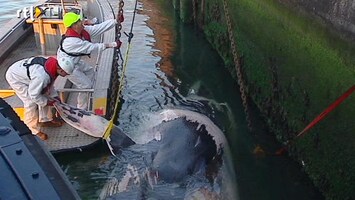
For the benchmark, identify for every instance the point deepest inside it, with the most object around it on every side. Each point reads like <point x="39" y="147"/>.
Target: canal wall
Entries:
<point x="338" y="14"/>
<point x="296" y="57"/>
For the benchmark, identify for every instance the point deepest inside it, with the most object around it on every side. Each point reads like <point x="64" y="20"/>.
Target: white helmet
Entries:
<point x="66" y="64"/>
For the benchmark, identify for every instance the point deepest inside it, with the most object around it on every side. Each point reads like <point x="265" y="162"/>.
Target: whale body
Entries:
<point x="183" y="155"/>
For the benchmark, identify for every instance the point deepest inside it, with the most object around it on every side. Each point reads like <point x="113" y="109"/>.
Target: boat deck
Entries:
<point x="65" y="138"/>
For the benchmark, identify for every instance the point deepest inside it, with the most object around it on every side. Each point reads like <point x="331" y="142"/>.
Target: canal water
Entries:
<point x="171" y="65"/>
<point x="9" y="8"/>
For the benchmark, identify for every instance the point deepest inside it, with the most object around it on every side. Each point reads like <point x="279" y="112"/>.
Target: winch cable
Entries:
<point x="121" y="84"/>
<point x="321" y="116"/>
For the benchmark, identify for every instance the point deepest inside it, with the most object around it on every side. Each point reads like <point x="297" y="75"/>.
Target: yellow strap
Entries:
<point x="120" y="87"/>
<point x="108" y="130"/>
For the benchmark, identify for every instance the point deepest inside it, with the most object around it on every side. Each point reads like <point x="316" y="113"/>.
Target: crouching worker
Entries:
<point x="32" y="80"/>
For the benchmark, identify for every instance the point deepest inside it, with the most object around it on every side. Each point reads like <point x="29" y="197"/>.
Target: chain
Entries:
<point x="117" y="64"/>
<point x="120" y="13"/>
<point x="237" y="65"/>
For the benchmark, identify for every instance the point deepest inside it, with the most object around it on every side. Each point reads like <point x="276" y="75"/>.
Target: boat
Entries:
<point x="38" y="31"/>
<point x="28" y="170"/>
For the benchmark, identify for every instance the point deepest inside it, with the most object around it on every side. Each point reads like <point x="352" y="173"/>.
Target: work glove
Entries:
<point x="118" y="43"/>
<point x="120" y="18"/>
<point x="50" y="102"/>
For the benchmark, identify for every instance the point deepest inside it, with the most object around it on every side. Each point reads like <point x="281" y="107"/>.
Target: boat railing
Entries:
<point x="12" y="34"/>
<point x="19" y="24"/>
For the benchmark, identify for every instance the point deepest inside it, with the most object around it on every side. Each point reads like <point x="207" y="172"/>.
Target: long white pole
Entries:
<point x="62" y="7"/>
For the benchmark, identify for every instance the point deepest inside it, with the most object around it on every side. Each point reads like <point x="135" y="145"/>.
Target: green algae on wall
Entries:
<point x="176" y="4"/>
<point x="295" y="68"/>
<point x="186" y="11"/>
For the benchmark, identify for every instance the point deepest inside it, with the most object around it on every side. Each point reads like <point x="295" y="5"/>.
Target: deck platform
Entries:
<point x="67" y="138"/>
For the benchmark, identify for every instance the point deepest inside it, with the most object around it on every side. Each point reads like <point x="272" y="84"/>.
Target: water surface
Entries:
<point x="173" y="66"/>
<point x="8" y="9"/>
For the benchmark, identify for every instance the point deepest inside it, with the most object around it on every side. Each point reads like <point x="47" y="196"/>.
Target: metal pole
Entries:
<point x="62" y="7"/>
<point x="75" y="90"/>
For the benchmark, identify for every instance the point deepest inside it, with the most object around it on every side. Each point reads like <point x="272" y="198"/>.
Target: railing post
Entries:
<point x="42" y="38"/>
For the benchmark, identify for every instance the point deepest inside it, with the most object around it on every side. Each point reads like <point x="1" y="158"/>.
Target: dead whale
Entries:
<point x="181" y="154"/>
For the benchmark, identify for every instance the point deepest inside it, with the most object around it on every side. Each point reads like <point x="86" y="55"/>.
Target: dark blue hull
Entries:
<point x="27" y="169"/>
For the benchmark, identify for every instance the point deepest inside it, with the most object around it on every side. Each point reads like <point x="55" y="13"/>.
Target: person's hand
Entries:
<point x="117" y="44"/>
<point x="120" y="18"/>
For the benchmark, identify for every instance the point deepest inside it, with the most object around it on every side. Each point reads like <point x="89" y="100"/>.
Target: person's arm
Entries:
<point x="76" y="45"/>
<point x="98" y="29"/>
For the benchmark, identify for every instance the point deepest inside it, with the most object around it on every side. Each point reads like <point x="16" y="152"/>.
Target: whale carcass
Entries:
<point x="178" y="154"/>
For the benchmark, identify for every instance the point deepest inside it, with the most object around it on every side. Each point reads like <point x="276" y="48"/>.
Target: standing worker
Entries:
<point x="77" y="43"/>
<point x="32" y="80"/>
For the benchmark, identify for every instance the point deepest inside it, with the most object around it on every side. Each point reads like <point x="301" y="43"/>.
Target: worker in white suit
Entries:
<point x="32" y="80"/>
<point x="77" y="43"/>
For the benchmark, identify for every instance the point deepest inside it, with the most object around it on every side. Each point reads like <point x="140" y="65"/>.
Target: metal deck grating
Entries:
<point x="66" y="138"/>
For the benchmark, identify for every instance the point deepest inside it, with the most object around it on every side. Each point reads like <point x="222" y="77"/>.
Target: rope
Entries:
<point x="321" y="116"/>
<point x="120" y="87"/>
<point x="237" y="65"/>
<point x="327" y="111"/>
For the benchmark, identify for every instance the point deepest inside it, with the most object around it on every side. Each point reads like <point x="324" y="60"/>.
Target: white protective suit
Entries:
<point x="83" y="74"/>
<point x="29" y="91"/>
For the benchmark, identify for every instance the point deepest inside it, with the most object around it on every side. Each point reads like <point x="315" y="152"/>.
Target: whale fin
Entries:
<point x="118" y="140"/>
